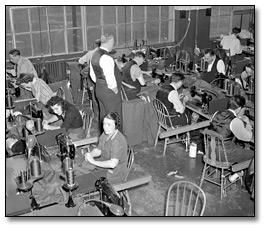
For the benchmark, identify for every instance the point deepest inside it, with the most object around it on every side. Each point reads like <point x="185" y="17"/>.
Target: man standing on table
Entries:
<point x="107" y="76"/>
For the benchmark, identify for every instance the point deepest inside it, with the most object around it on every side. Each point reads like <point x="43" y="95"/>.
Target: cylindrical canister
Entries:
<point x="38" y="125"/>
<point x="67" y="164"/>
<point x="193" y="150"/>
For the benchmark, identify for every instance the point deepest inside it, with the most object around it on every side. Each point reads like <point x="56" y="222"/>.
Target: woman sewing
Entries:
<point x="112" y="150"/>
<point x="72" y="119"/>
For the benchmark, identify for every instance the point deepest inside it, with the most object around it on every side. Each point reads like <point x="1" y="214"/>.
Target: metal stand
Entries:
<point x="68" y="188"/>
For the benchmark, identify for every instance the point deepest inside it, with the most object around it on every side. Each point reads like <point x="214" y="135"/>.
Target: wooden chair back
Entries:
<point x="185" y="199"/>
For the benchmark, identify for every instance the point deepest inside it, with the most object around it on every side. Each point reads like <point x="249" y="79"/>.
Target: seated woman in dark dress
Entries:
<point x="72" y="119"/>
<point x="112" y="150"/>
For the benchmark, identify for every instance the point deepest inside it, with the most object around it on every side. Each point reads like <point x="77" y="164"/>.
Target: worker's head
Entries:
<point x="178" y="79"/>
<point x="25" y="79"/>
<point x="14" y="56"/>
<point x="139" y="57"/>
<point x="236" y="30"/>
<point x="249" y="68"/>
<point x="57" y="105"/>
<point x="107" y="41"/>
<point x="97" y="43"/>
<point x="111" y="123"/>
<point x="236" y="103"/>
<point x="209" y="55"/>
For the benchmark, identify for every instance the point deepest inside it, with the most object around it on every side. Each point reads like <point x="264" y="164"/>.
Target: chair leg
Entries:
<point x="222" y="183"/>
<point x="165" y="146"/>
<point x="187" y="141"/>
<point x="203" y="173"/>
<point x="156" y="140"/>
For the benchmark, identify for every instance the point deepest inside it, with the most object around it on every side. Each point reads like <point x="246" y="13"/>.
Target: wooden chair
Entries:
<point x="124" y="193"/>
<point x="185" y="199"/>
<point x="216" y="162"/>
<point x="164" y="122"/>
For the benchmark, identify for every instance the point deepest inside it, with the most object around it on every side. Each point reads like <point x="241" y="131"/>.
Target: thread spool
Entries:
<point x="230" y="89"/>
<point x="9" y="102"/>
<point x="40" y="114"/>
<point x="193" y="150"/>
<point x="23" y="177"/>
<point x="35" y="168"/>
<point x="226" y="82"/>
<point x="67" y="164"/>
<point x="38" y="125"/>
<point x="70" y="177"/>
<point x="72" y="151"/>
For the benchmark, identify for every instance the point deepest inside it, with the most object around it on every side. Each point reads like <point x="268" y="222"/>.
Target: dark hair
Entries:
<point x="57" y="100"/>
<point x="236" y="30"/>
<point x="236" y="101"/>
<point x="210" y="51"/>
<point x="249" y="65"/>
<point x="14" y="52"/>
<point x="25" y="78"/>
<point x="140" y="54"/>
<point x="115" y="117"/>
<point x="98" y="42"/>
<point x="177" y="76"/>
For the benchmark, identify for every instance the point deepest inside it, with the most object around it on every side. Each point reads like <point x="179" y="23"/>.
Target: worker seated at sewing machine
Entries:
<point x="110" y="153"/>
<point x="132" y="76"/>
<point x="215" y="66"/>
<point x="112" y="150"/>
<point x="72" y="119"/>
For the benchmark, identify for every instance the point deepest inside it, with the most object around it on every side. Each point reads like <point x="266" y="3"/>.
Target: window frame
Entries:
<point x="85" y="28"/>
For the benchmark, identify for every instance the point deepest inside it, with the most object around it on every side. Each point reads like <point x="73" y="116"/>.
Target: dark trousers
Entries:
<point x="108" y="102"/>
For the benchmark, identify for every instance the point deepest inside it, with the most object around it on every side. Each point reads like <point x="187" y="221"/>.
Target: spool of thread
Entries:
<point x="38" y="125"/>
<point x="230" y="89"/>
<point x="23" y="176"/>
<point x="226" y="82"/>
<point x="35" y="168"/>
<point x="72" y="151"/>
<point x="40" y="114"/>
<point x="70" y="177"/>
<point x="193" y="150"/>
<point x="9" y="102"/>
<point x="67" y="164"/>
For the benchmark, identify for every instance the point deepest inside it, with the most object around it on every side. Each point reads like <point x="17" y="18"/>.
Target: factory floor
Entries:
<point x="149" y="199"/>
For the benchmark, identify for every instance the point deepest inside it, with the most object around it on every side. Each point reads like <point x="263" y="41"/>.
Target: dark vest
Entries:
<point x="221" y="124"/>
<point x="163" y="94"/>
<point x="126" y="77"/>
<point x="99" y="71"/>
<point x="210" y="76"/>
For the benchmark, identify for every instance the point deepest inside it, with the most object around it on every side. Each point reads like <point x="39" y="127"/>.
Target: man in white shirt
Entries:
<point x="169" y="96"/>
<point x="215" y="66"/>
<point x="85" y="62"/>
<point x="105" y="73"/>
<point x="232" y="42"/>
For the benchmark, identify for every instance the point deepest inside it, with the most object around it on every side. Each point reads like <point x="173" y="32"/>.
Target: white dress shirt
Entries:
<point x="107" y="63"/>
<point x="232" y="43"/>
<point x="174" y="99"/>
<point x="220" y="66"/>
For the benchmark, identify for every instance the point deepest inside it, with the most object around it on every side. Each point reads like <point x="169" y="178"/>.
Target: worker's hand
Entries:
<point x="115" y="90"/>
<point x="45" y="122"/>
<point x="47" y="127"/>
<point x="185" y="99"/>
<point x="11" y="71"/>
